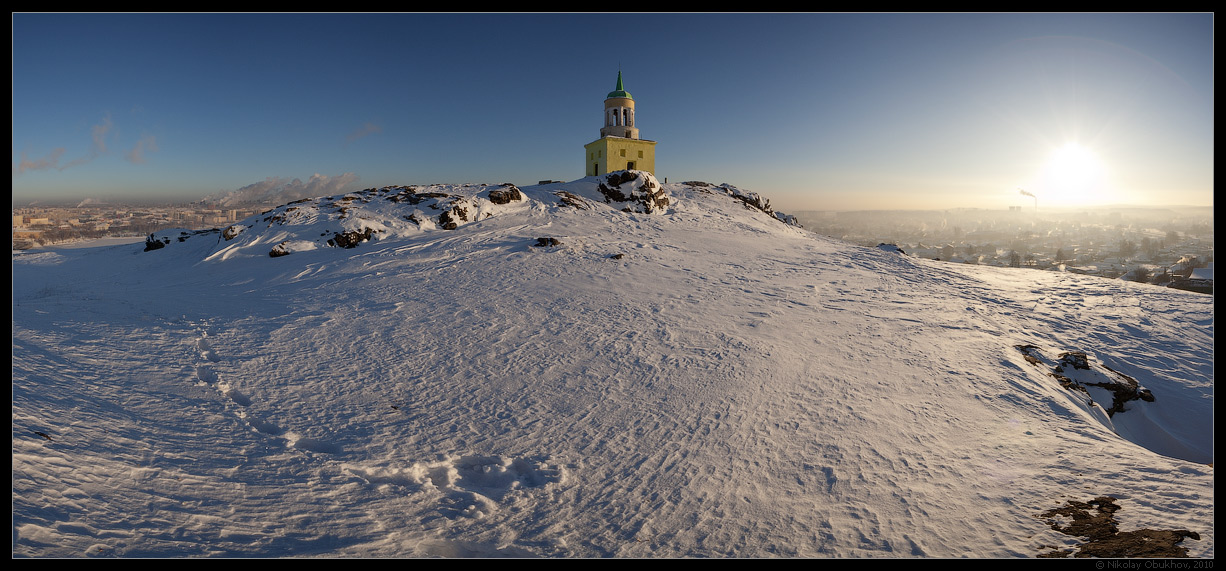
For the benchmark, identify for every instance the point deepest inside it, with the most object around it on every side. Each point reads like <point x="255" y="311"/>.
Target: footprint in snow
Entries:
<point x="206" y="350"/>
<point x="471" y="486"/>
<point x="206" y="374"/>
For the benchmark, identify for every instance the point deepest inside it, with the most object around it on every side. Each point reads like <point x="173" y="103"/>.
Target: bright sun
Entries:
<point x="1074" y="175"/>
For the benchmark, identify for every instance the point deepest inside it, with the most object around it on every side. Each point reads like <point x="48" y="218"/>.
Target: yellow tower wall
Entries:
<point x="609" y="154"/>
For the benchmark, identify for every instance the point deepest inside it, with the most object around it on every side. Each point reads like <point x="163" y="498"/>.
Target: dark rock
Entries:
<point x="152" y="243"/>
<point x="1104" y="539"/>
<point x="279" y="250"/>
<point x="1076" y="360"/>
<point x="351" y="239"/>
<point x="543" y="242"/>
<point x="1123" y="388"/>
<point x="1068" y="384"/>
<point x="505" y="195"/>
<point x="617" y="256"/>
<point x="569" y="199"/>
<point x="1028" y="355"/>
<point x="886" y="247"/>
<point x="612" y="194"/>
<point x="619" y="178"/>
<point x="410" y="196"/>
<point x="634" y="187"/>
<point x="448" y="219"/>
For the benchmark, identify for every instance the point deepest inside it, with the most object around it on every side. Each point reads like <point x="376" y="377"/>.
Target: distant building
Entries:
<point x="619" y="146"/>
<point x="1205" y="273"/>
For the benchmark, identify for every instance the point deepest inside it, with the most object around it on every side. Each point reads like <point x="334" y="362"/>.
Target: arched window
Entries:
<point x="625" y="114"/>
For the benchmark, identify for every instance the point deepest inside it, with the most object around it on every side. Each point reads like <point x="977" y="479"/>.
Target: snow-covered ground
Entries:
<point x="565" y="373"/>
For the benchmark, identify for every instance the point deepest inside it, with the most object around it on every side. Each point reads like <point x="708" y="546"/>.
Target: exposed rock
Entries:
<point x="279" y="250"/>
<point x="543" y="242"/>
<point x="411" y="196"/>
<point x="1074" y="359"/>
<point x="617" y="256"/>
<point x="351" y="238"/>
<point x="748" y="199"/>
<point x="233" y="231"/>
<point x="1067" y="383"/>
<point x="636" y="187"/>
<point x="569" y="199"/>
<point x="1067" y="372"/>
<point x="884" y="247"/>
<point x="152" y="243"/>
<point x="450" y="220"/>
<point x="509" y="193"/>
<point x="1026" y="354"/>
<point x="1141" y="392"/>
<point x="1103" y="535"/>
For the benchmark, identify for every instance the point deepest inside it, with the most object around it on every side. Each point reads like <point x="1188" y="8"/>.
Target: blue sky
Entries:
<point x="815" y="111"/>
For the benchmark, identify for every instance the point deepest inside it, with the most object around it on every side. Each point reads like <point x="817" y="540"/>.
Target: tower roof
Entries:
<point x="619" y="92"/>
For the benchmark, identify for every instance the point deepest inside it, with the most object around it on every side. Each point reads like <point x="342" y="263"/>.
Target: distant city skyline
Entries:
<point x="813" y="111"/>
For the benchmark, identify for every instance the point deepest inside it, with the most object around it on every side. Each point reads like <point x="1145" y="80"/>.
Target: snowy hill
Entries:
<point x="609" y="367"/>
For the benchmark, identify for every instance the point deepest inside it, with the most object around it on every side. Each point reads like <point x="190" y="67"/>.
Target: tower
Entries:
<point x="619" y="146"/>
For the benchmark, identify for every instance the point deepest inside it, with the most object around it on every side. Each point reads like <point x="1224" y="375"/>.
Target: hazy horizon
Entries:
<point x="154" y="201"/>
<point x="833" y="112"/>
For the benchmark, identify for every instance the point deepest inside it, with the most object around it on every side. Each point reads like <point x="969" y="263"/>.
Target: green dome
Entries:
<point x="619" y="92"/>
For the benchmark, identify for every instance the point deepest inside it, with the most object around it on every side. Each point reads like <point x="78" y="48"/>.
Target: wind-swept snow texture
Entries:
<point x="669" y="371"/>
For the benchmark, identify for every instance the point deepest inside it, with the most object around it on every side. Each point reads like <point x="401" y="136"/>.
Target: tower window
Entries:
<point x="623" y="152"/>
<point x="640" y="154"/>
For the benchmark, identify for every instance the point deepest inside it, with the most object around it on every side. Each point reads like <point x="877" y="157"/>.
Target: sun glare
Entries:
<point x="1074" y="175"/>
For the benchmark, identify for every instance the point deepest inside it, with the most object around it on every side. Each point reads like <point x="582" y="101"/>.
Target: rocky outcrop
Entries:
<point x="410" y="195"/>
<point x="451" y="219"/>
<point x="892" y="248"/>
<point x="1094" y="521"/>
<point x="1122" y="387"/>
<point x="1075" y="372"/>
<point x="506" y="195"/>
<point x="350" y="239"/>
<point x="749" y="199"/>
<point x="279" y="250"/>
<point x="570" y="199"/>
<point x="638" y="190"/>
<point x="152" y="243"/>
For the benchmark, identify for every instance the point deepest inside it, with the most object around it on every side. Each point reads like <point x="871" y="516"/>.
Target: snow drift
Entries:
<point x="609" y="367"/>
